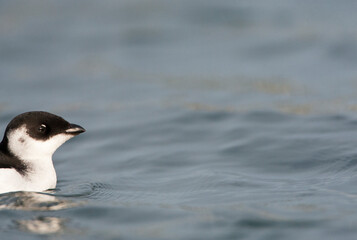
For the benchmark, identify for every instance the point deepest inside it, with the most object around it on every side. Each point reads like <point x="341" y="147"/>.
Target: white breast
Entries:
<point x="10" y="180"/>
<point x="36" y="180"/>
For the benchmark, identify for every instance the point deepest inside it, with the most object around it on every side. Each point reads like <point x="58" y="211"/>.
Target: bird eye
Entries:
<point x="42" y="128"/>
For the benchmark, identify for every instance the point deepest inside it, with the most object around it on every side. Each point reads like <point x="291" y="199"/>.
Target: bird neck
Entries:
<point x="42" y="173"/>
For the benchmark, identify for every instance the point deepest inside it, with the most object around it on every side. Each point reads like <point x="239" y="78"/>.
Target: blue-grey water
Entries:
<point x="205" y="119"/>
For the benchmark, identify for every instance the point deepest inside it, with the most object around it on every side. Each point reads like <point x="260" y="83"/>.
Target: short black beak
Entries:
<point x="75" y="129"/>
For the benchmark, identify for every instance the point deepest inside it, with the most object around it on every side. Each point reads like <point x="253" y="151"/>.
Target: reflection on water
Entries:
<point x="32" y="201"/>
<point x="40" y="202"/>
<point x="42" y="225"/>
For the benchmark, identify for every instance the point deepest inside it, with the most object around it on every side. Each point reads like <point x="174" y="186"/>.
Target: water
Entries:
<point x="205" y="119"/>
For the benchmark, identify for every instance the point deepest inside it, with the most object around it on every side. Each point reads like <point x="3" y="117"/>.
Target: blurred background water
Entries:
<point x="205" y="119"/>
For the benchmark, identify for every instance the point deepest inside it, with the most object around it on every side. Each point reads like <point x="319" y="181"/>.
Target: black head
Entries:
<point x="31" y="138"/>
<point x="43" y="125"/>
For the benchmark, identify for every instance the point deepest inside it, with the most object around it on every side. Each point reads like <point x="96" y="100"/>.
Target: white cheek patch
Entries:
<point x="17" y="141"/>
<point x="27" y="148"/>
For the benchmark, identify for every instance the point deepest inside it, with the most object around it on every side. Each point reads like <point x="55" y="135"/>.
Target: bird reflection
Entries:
<point x="42" y="225"/>
<point x="39" y="202"/>
<point x="32" y="201"/>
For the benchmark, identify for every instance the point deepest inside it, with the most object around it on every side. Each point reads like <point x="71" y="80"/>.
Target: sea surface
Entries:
<point x="205" y="119"/>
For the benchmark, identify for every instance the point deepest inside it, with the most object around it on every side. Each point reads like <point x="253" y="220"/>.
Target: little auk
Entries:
<point x="26" y="151"/>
